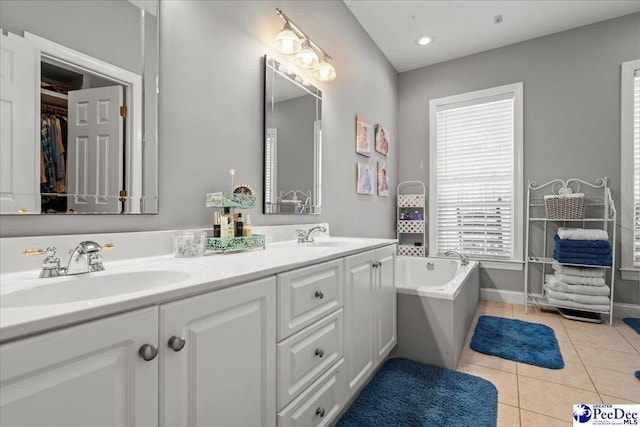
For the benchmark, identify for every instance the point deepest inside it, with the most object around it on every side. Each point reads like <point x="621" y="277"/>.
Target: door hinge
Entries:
<point x="123" y="111"/>
<point x="123" y="195"/>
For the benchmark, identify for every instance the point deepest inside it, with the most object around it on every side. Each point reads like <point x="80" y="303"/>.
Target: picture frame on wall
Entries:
<point x="383" y="180"/>
<point x="364" y="136"/>
<point x="382" y="140"/>
<point x="364" y="181"/>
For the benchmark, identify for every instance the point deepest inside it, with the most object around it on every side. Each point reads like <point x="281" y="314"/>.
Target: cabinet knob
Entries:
<point x="319" y="352"/>
<point x="376" y="264"/>
<point x="320" y="411"/>
<point x="319" y="294"/>
<point x="148" y="352"/>
<point x="176" y="343"/>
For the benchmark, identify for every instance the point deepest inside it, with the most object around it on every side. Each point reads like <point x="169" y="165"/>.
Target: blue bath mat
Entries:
<point x="408" y="393"/>
<point x="633" y="322"/>
<point x="637" y="374"/>
<point x="512" y="339"/>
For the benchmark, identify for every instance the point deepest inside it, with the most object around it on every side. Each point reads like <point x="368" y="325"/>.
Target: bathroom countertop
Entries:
<point x="206" y="274"/>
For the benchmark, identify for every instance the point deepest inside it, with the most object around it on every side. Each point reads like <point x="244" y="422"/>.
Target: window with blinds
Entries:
<point x="474" y="208"/>
<point x="636" y="168"/>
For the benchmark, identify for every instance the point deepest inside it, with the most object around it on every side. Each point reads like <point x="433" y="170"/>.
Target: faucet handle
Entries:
<point x="32" y="252"/>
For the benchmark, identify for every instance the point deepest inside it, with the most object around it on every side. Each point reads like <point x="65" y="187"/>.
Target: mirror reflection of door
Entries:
<point x="95" y="147"/>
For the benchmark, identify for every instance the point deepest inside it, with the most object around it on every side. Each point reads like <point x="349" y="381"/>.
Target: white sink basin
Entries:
<point x="331" y="242"/>
<point x="86" y="287"/>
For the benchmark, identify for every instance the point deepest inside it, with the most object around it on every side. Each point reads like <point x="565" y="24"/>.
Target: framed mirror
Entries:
<point x="79" y="107"/>
<point x="292" y="142"/>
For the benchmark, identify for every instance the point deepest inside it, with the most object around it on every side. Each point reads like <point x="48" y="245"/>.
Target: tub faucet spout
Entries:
<point x="464" y="260"/>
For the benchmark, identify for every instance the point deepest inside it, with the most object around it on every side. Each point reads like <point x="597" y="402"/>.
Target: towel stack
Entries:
<point x="582" y="288"/>
<point x="583" y="246"/>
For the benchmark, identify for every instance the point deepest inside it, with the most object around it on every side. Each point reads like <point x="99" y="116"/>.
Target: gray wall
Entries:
<point x="210" y="117"/>
<point x="571" y="110"/>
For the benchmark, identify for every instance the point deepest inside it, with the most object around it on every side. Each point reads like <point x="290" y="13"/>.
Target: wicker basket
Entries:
<point x="567" y="206"/>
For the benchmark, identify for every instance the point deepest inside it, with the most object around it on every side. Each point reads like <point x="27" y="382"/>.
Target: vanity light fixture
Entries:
<point x="308" y="54"/>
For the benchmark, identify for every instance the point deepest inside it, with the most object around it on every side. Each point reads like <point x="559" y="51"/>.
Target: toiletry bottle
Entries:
<point x="230" y="229"/>
<point x="247" y="226"/>
<point x="239" y="226"/>
<point x="224" y="226"/>
<point x="216" y="224"/>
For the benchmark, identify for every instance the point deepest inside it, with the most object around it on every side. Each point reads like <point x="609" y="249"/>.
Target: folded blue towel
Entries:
<point x="582" y="252"/>
<point x="571" y="244"/>
<point x="604" y="260"/>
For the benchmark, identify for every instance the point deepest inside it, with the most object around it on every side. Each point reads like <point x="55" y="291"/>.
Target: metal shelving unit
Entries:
<point x="411" y="233"/>
<point x="600" y="213"/>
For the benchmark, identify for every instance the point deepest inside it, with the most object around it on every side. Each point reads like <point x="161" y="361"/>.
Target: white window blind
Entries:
<point x="636" y="168"/>
<point x="475" y="177"/>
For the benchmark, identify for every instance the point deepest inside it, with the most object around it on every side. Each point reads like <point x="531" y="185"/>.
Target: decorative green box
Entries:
<point x="230" y="200"/>
<point x="234" y="244"/>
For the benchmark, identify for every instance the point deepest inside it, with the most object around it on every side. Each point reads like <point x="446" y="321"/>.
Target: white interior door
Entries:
<point x="19" y="147"/>
<point x="94" y="151"/>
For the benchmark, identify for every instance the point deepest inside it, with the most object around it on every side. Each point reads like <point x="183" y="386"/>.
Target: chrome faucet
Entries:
<point x="304" y="236"/>
<point x="464" y="260"/>
<point x="84" y="259"/>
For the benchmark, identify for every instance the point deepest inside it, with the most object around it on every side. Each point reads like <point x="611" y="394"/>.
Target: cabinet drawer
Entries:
<point x="305" y="356"/>
<point x="307" y="295"/>
<point x="319" y="404"/>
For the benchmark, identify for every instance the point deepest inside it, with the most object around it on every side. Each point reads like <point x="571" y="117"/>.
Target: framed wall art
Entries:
<point x="365" y="177"/>
<point x="364" y="136"/>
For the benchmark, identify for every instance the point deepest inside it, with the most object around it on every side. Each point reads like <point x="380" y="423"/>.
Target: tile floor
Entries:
<point x="599" y="364"/>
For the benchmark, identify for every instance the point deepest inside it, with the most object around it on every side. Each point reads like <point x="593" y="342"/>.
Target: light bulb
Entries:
<point x="424" y="40"/>
<point x="324" y="72"/>
<point x="307" y="57"/>
<point x="287" y="42"/>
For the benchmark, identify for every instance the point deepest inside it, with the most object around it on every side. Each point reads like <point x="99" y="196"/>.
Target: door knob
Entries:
<point x="176" y="343"/>
<point x="148" y="352"/>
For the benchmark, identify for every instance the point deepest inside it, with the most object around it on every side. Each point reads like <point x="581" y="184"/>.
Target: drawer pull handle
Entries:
<point x="319" y="352"/>
<point x="148" y="352"/>
<point x="320" y="411"/>
<point x="319" y="294"/>
<point x="176" y="343"/>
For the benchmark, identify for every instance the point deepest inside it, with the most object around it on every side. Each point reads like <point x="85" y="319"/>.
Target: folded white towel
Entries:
<point x="588" y="281"/>
<point x="557" y="285"/>
<point x="577" y="271"/>
<point x="582" y="299"/>
<point x="577" y="305"/>
<point x="582" y="234"/>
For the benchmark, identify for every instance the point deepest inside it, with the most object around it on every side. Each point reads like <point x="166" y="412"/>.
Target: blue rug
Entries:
<point x="637" y="374"/>
<point x="512" y="339"/>
<point x="633" y="322"/>
<point x="407" y="393"/>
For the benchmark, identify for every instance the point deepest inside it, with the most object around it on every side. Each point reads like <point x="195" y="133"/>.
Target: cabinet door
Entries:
<point x="359" y="320"/>
<point x="86" y="375"/>
<point x="225" y="373"/>
<point x="386" y="300"/>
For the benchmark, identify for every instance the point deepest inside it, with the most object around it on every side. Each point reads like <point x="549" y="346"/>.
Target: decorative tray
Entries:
<point x="234" y="244"/>
<point x="230" y="200"/>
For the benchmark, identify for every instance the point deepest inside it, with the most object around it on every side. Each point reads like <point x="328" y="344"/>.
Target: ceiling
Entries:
<point x="462" y="28"/>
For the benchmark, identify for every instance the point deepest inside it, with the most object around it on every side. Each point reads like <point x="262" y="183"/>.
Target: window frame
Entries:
<point x="627" y="269"/>
<point x="516" y="91"/>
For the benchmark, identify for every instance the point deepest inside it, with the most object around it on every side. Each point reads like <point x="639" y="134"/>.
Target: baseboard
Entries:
<point x="510" y="297"/>
<point x="620" y="310"/>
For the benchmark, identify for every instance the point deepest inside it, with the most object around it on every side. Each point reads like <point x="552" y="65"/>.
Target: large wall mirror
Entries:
<point x="79" y="107"/>
<point x="292" y="142"/>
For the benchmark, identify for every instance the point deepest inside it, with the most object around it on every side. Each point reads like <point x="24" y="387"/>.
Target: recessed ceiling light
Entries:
<point x="425" y="40"/>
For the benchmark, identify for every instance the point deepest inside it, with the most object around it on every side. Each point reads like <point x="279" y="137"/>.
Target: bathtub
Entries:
<point x="437" y="299"/>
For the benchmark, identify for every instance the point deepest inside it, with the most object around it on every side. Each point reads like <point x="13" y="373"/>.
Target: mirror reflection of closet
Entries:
<point x="68" y="168"/>
<point x="79" y="107"/>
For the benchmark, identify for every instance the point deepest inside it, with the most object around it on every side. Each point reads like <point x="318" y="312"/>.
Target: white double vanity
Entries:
<point x="281" y="336"/>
